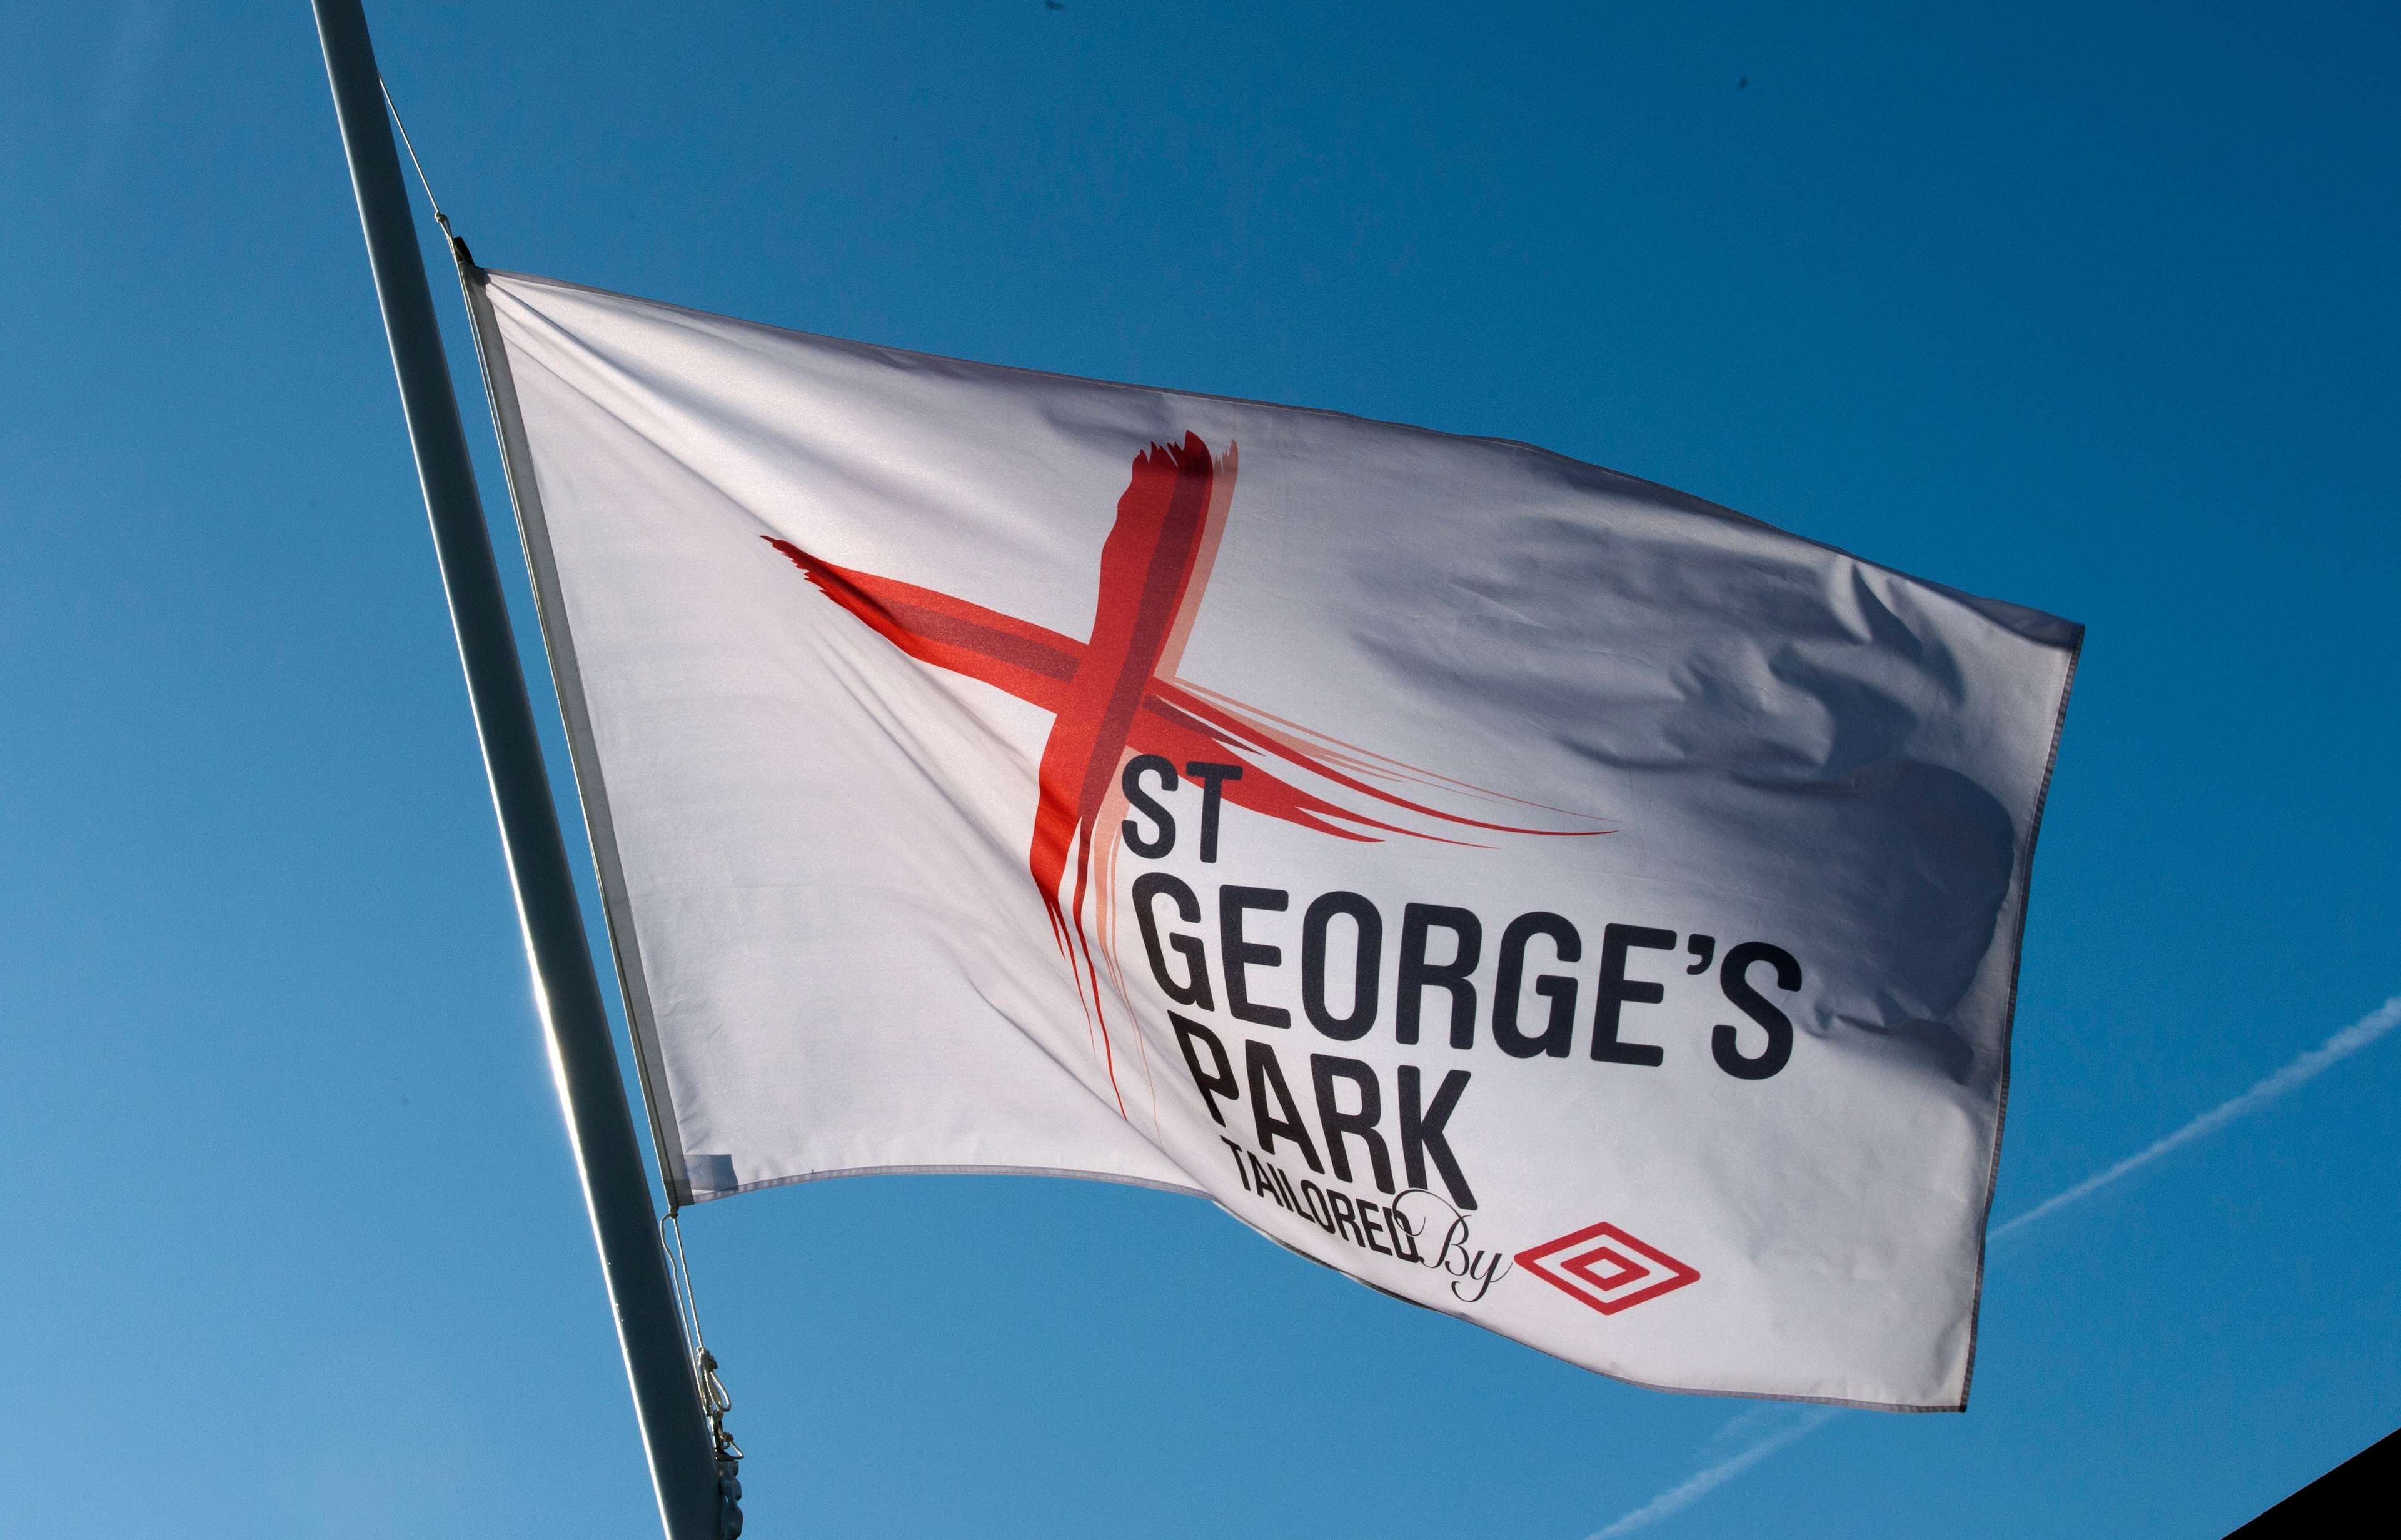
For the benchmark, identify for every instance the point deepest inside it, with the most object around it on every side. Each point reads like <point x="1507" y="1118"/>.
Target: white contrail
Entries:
<point x="1676" y="1499"/>
<point x="2317" y="1061"/>
<point x="134" y="50"/>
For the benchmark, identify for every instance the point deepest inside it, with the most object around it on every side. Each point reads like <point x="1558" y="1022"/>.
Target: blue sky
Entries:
<point x="2087" y="307"/>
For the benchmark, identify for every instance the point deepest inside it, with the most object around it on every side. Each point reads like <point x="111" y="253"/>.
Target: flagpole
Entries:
<point x="584" y="1055"/>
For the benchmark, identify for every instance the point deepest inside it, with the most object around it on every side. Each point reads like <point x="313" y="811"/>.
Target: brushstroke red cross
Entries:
<point x="1117" y="691"/>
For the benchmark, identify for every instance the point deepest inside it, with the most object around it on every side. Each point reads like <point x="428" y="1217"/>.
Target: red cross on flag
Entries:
<point x="1543" y="896"/>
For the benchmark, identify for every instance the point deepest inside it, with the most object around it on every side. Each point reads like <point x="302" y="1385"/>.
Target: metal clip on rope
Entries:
<point x="716" y="1403"/>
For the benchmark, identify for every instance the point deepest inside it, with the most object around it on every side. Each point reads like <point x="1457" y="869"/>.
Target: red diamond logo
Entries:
<point x="1602" y="1266"/>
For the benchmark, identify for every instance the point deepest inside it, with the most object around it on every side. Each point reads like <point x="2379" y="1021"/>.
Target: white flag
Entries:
<point x="1540" y="895"/>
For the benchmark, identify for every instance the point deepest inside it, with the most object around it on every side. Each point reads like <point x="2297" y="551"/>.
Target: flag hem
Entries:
<point x="584" y="759"/>
<point x="2075" y="646"/>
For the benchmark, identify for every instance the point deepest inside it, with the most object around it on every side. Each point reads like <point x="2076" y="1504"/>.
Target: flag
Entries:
<point x="1542" y="896"/>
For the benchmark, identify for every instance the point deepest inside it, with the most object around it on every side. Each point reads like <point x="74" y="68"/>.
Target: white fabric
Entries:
<point x="1684" y="723"/>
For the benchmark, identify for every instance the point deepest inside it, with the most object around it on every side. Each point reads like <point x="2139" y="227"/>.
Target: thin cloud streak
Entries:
<point x="2309" y="1066"/>
<point x="2302" y="1070"/>
<point x="134" y="50"/>
<point x="1676" y="1499"/>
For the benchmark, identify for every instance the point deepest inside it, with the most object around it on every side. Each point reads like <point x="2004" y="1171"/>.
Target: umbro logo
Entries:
<point x="1604" y="1267"/>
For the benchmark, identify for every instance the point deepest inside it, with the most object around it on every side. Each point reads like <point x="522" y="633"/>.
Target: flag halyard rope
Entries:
<point x="406" y="142"/>
<point x="714" y="1400"/>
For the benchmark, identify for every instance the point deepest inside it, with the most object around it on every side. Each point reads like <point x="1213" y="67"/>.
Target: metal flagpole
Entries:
<point x="583" y="1056"/>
